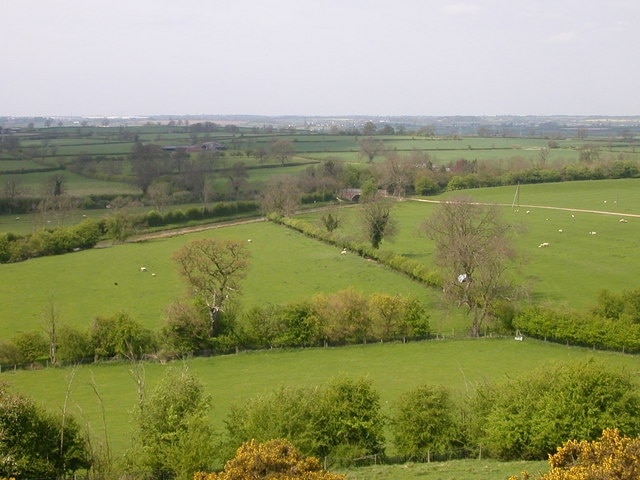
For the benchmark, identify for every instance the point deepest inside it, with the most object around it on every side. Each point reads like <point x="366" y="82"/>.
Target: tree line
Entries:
<point x="341" y="318"/>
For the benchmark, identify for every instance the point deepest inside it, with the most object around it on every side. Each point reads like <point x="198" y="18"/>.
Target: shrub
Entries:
<point x="611" y="456"/>
<point x="527" y="418"/>
<point x="274" y="460"/>
<point x="424" y="422"/>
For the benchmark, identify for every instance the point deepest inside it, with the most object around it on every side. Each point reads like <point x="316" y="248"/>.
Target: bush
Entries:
<point x="320" y="422"/>
<point x="527" y="418"/>
<point x="611" y="456"/>
<point x="424" y="422"/>
<point x="32" y="445"/>
<point x="274" y="460"/>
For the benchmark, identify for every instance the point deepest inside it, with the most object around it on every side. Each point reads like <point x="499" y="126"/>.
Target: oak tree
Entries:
<point x="214" y="270"/>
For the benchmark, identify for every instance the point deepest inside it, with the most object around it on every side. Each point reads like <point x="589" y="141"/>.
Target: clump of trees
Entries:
<point x="528" y="417"/>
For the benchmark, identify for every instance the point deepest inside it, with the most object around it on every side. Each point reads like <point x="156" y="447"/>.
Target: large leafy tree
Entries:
<point x="35" y="443"/>
<point x="474" y="250"/>
<point x="214" y="270"/>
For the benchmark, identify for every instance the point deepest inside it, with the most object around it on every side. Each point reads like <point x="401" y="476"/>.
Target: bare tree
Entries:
<point x="281" y="195"/>
<point x="397" y="173"/>
<point x="50" y="317"/>
<point x="282" y="149"/>
<point x="148" y="162"/>
<point x="474" y="251"/>
<point x="12" y="190"/>
<point x="370" y="148"/>
<point x="237" y="176"/>
<point x="213" y="270"/>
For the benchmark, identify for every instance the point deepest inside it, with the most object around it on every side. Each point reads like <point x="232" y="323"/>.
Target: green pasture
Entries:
<point x="393" y="369"/>
<point x="14" y="167"/>
<point x="576" y="266"/>
<point x="285" y="266"/>
<point x="75" y="185"/>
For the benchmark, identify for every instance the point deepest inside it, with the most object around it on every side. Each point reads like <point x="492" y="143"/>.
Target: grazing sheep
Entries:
<point x="559" y="230"/>
<point x="143" y="269"/>
<point x="623" y="220"/>
<point x="343" y="252"/>
<point x="543" y="244"/>
<point x="592" y="233"/>
<point x="153" y="274"/>
<point x="249" y="240"/>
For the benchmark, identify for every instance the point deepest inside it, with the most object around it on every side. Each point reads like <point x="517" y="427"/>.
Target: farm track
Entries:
<point x="212" y="226"/>
<point x="547" y="207"/>
<point x="194" y="229"/>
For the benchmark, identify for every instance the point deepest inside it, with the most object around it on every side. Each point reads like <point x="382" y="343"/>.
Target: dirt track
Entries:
<point x="601" y="212"/>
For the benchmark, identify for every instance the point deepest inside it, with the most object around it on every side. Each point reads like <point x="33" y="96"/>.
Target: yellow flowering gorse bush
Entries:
<point x="611" y="457"/>
<point x="272" y="460"/>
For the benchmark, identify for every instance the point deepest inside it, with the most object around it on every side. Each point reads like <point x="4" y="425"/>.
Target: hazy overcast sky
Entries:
<point x="319" y="57"/>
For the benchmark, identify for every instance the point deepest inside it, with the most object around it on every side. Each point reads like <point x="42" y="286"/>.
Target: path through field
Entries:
<point x="601" y="212"/>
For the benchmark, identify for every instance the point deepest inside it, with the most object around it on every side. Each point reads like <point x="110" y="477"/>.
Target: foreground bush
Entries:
<point x="274" y="460"/>
<point x="612" y="456"/>
<point x="37" y="444"/>
<point x="342" y="420"/>
<point x="526" y="418"/>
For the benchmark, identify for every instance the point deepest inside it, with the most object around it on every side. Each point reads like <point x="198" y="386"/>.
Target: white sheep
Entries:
<point x="143" y="269"/>
<point x="592" y="233"/>
<point x="343" y="252"/>
<point x="543" y="244"/>
<point x="623" y="220"/>
<point x="559" y="230"/>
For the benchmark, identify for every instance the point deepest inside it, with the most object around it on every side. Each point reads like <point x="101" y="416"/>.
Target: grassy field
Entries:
<point x="392" y="368"/>
<point x="285" y="266"/>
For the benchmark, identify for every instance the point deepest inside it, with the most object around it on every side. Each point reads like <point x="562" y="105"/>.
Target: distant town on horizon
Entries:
<point x="464" y="125"/>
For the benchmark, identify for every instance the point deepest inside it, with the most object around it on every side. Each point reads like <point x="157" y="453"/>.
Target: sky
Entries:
<point x="319" y="57"/>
